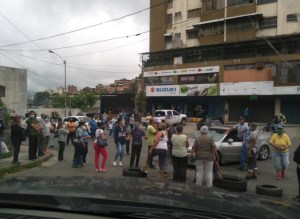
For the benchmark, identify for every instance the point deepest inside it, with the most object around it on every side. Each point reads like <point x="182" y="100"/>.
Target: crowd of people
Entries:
<point x="164" y="140"/>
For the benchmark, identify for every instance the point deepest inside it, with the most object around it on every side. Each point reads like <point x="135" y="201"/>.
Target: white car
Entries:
<point x="230" y="148"/>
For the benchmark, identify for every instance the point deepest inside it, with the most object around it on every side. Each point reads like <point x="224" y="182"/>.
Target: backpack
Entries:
<point x="296" y="157"/>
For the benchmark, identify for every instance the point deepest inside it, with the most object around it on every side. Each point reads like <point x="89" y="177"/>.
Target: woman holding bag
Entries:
<point x="99" y="133"/>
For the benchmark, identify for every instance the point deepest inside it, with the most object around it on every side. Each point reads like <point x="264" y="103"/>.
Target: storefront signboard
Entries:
<point x="247" y="88"/>
<point x="198" y="90"/>
<point x="163" y="91"/>
<point x="186" y="71"/>
<point x="286" y="90"/>
<point x="182" y="90"/>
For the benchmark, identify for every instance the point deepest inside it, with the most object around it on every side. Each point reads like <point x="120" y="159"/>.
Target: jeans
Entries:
<point x="280" y="160"/>
<point x="33" y="143"/>
<point x="78" y="154"/>
<point x="180" y="165"/>
<point x="204" y="172"/>
<point x="136" y="149"/>
<point x="98" y="151"/>
<point x="120" y="151"/>
<point x="149" y="157"/>
<point x="168" y="158"/>
<point x="243" y="157"/>
<point x="110" y="132"/>
<point x="61" y="149"/>
<point x="161" y="153"/>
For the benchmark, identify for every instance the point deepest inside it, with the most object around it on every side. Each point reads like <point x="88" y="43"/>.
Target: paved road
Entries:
<point x="266" y="171"/>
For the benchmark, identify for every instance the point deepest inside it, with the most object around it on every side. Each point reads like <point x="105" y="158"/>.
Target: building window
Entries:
<point x="240" y="24"/>
<point x="261" y="2"/>
<point x="170" y="4"/>
<point x="194" y="13"/>
<point x="192" y="34"/>
<point x="165" y="80"/>
<point x="186" y="79"/>
<point x="290" y="72"/>
<point x="292" y="17"/>
<point x="177" y="36"/>
<point x="238" y="2"/>
<point x="210" y="5"/>
<point x="169" y="19"/>
<point x="269" y="22"/>
<point x="214" y="28"/>
<point x="177" y="16"/>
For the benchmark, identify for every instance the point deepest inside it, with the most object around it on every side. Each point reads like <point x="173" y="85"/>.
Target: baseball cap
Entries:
<point x="204" y="129"/>
<point x="279" y="127"/>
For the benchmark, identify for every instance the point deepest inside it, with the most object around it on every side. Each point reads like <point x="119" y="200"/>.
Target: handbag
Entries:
<point x="101" y="142"/>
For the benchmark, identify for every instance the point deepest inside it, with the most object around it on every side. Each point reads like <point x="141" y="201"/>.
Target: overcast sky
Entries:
<point x="89" y="65"/>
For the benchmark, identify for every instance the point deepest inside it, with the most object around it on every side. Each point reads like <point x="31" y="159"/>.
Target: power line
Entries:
<point x="83" y="28"/>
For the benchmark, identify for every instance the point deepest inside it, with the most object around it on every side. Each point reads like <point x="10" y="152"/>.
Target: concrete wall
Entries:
<point x="15" y="81"/>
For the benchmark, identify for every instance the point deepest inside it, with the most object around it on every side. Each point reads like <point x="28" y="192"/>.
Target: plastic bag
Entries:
<point x="4" y="148"/>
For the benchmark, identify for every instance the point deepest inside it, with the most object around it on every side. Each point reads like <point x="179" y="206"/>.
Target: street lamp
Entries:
<point x="65" y="63"/>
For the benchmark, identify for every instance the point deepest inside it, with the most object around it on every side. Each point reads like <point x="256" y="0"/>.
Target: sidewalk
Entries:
<point x="23" y="158"/>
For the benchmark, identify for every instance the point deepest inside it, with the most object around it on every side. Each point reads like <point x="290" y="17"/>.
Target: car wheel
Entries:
<point x="269" y="190"/>
<point x="183" y="122"/>
<point x="231" y="183"/>
<point x="134" y="172"/>
<point x="264" y="152"/>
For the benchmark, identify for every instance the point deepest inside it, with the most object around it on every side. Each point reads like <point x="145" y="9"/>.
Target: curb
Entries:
<point x="17" y="168"/>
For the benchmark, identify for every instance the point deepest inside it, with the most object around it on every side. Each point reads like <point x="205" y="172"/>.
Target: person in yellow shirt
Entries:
<point x="280" y="143"/>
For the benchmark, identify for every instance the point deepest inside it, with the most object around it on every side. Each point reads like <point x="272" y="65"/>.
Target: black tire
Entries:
<point x="183" y="122"/>
<point x="264" y="152"/>
<point x="134" y="172"/>
<point x="269" y="190"/>
<point x="231" y="183"/>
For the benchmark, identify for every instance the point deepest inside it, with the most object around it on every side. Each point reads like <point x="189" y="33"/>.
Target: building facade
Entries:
<point x="15" y="82"/>
<point x="225" y="56"/>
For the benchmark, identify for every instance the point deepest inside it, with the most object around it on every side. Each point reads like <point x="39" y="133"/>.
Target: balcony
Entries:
<point x="209" y="39"/>
<point x="241" y="10"/>
<point x="241" y="35"/>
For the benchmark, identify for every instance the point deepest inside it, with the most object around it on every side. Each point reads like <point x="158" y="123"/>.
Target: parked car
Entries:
<point x="230" y="148"/>
<point x="173" y="115"/>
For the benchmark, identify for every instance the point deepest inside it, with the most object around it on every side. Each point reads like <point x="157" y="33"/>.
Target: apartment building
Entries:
<point x="225" y="55"/>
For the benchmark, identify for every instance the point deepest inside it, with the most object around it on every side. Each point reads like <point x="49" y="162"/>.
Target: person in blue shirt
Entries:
<point x="93" y="127"/>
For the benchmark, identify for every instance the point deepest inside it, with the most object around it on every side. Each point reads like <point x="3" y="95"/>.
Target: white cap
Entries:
<point x="204" y="129"/>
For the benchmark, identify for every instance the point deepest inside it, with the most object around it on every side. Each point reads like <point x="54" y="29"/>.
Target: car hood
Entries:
<point x="138" y="194"/>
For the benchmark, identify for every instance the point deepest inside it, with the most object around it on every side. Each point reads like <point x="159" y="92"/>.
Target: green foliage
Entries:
<point x="83" y="101"/>
<point x="1" y="103"/>
<point x="41" y="98"/>
<point x="55" y="115"/>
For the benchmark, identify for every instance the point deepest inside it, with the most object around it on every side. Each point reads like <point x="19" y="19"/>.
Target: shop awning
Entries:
<point x="167" y="34"/>
<point x="210" y="21"/>
<point x="244" y="15"/>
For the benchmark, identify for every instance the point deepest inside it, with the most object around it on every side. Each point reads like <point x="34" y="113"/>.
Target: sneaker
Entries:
<point x="114" y="163"/>
<point x="103" y="170"/>
<point x="97" y="170"/>
<point x="120" y="163"/>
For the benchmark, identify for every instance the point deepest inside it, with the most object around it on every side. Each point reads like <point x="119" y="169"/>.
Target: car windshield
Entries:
<point x="143" y="78"/>
<point x="159" y="113"/>
<point x="217" y="134"/>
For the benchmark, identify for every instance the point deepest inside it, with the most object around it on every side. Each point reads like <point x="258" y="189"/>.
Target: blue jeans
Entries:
<point x="280" y="160"/>
<point x="243" y="157"/>
<point x="120" y="151"/>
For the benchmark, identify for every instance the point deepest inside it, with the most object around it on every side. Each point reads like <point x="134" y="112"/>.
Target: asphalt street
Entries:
<point x="266" y="172"/>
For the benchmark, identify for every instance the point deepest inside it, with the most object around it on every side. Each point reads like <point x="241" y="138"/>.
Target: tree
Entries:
<point x="133" y="86"/>
<point x="83" y="101"/>
<point x="41" y="98"/>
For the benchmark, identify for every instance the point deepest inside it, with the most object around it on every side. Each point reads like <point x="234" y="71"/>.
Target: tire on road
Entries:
<point x="134" y="172"/>
<point x="231" y="183"/>
<point x="269" y="190"/>
<point x="183" y="122"/>
<point x="264" y="152"/>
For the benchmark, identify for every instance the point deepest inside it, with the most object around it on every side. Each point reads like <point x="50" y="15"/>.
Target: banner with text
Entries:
<point x="182" y="90"/>
<point x="247" y="88"/>
<point x="185" y="71"/>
